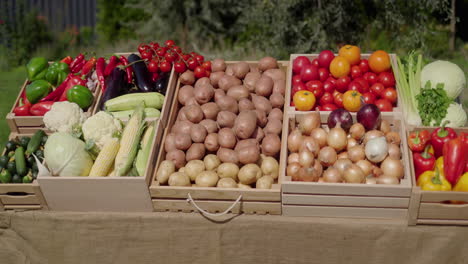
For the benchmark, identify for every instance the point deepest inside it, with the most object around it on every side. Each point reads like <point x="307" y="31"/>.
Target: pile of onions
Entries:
<point x="366" y="152"/>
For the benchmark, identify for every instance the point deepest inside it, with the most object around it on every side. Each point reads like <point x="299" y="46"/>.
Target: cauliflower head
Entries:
<point x="100" y="128"/>
<point x="64" y="117"/>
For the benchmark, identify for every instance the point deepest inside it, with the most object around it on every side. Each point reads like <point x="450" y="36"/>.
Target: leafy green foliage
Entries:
<point x="432" y="104"/>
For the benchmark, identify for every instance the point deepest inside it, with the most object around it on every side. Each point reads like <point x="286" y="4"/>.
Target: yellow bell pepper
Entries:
<point x="434" y="181"/>
<point x="431" y="150"/>
<point x="462" y="184"/>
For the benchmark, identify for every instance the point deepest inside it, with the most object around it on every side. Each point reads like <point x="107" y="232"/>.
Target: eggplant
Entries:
<point x="116" y="86"/>
<point x="142" y="75"/>
<point x="160" y="85"/>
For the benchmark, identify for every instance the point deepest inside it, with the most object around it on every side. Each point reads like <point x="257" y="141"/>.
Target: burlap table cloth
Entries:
<point x="56" y="237"/>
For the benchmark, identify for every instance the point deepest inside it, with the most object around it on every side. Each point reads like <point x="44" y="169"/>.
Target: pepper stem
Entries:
<point x="426" y="153"/>
<point x="416" y="140"/>
<point x="442" y="131"/>
<point x="436" y="178"/>
<point x="123" y="67"/>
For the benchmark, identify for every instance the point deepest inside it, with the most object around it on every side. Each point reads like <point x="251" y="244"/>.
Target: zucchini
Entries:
<point x="20" y="162"/>
<point x="35" y="142"/>
<point x="130" y="101"/>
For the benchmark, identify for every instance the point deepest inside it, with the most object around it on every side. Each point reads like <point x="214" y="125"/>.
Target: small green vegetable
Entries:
<point x="27" y="179"/>
<point x="17" y="179"/>
<point x="35" y="142"/>
<point x="10" y="145"/>
<point x="20" y="162"/>
<point x="30" y="160"/>
<point x="11" y="167"/>
<point x="24" y="141"/>
<point x="5" y="176"/>
<point x="11" y="154"/>
<point x="3" y="161"/>
<point x="39" y="154"/>
<point x="432" y="104"/>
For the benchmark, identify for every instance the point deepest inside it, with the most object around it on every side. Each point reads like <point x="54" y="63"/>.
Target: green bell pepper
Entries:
<point x="57" y="73"/>
<point x="38" y="90"/>
<point x="37" y="68"/>
<point x="80" y="95"/>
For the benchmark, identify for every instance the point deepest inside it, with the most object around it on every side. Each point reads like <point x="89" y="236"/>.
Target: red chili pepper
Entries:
<point x="55" y="94"/>
<point x="22" y="109"/>
<point x="78" y="67"/>
<point x="77" y="60"/>
<point x="25" y="99"/>
<point x="112" y="64"/>
<point x="74" y="80"/>
<point x="39" y="109"/>
<point x="128" y="69"/>
<point x="440" y="136"/>
<point x="67" y="60"/>
<point x="88" y="67"/>
<point x="423" y="162"/>
<point x="100" y="67"/>
<point x="455" y="157"/>
<point x="417" y="140"/>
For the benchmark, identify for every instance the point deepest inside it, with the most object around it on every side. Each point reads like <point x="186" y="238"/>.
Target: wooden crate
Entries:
<point x="291" y="109"/>
<point x="212" y="199"/>
<point x="345" y="199"/>
<point x="95" y="194"/>
<point x="30" y="124"/>
<point x="432" y="207"/>
<point x="21" y="196"/>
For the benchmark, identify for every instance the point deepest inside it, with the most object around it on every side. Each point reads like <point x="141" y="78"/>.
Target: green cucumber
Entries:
<point x="20" y="162"/>
<point x="35" y="142"/>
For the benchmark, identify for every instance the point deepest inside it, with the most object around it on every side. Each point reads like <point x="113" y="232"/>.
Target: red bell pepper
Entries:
<point x="128" y="69"/>
<point x="100" y="67"/>
<point x="88" y="67"/>
<point x="55" y="94"/>
<point x="440" y="136"/>
<point x="418" y="140"/>
<point x="67" y="60"/>
<point x="112" y="64"/>
<point x="77" y="61"/>
<point x="423" y="162"/>
<point x="455" y="158"/>
<point x="22" y="109"/>
<point x="39" y="109"/>
<point x="74" y="80"/>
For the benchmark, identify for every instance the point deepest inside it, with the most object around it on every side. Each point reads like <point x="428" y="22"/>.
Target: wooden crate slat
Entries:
<point x="215" y="193"/>
<point x="443" y="211"/>
<point x="342" y="200"/>
<point x="428" y="196"/>
<point x="22" y="207"/>
<point x="180" y="205"/>
<point x="343" y="188"/>
<point x="344" y="212"/>
<point x="20" y="199"/>
<point x="18" y="187"/>
<point x="442" y="222"/>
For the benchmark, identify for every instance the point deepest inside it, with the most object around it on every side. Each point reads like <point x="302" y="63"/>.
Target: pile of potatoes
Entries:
<point x="235" y="114"/>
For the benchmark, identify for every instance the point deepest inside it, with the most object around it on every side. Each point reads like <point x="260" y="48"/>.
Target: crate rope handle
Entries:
<point x="190" y="200"/>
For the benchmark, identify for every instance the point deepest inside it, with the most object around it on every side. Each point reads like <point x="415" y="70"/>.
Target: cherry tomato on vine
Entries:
<point x="170" y="57"/>
<point x="180" y="67"/>
<point x="192" y="64"/>
<point x="199" y="72"/>
<point x="153" y="66"/>
<point x="142" y="47"/>
<point x="206" y="65"/>
<point x="176" y="49"/>
<point x="165" y="66"/>
<point x="200" y="59"/>
<point x="169" y="43"/>
<point x="146" y="54"/>
<point x="154" y="45"/>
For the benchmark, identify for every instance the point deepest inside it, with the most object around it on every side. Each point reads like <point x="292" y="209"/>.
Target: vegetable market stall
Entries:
<point x="46" y="237"/>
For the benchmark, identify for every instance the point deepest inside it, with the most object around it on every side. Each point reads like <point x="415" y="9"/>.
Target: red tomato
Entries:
<point x="161" y="51"/>
<point x="323" y="74"/>
<point x="142" y="47"/>
<point x="199" y="72"/>
<point x="325" y="57"/>
<point x="176" y="49"/>
<point x="327" y="98"/>
<point x="153" y="66"/>
<point x="299" y="63"/>
<point x="180" y="67"/>
<point x="384" y="105"/>
<point x="207" y="65"/>
<point x="316" y="87"/>
<point x="170" y="57"/>
<point x="165" y="66"/>
<point x="364" y="65"/>
<point x="169" y="42"/>
<point x="342" y="84"/>
<point x="369" y="98"/>
<point x="331" y="79"/>
<point x="309" y="73"/>
<point x="192" y="64"/>
<point x="387" y="79"/>
<point x="296" y="79"/>
<point x="338" y="99"/>
<point x="370" y="77"/>
<point x="329" y="86"/>
<point x="297" y="87"/>
<point x="377" y="89"/>
<point x="363" y="83"/>
<point x="315" y="62"/>
<point x="355" y="71"/>
<point x="328" y="107"/>
<point x="147" y="54"/>
<point x="390" y="94"/>
<point x="354" y="86"/>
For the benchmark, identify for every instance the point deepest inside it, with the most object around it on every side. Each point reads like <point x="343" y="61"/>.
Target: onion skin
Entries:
<point x="318" y="167"/>
<point x="365" y="166"/>
<point x="343" y="155"/>
<point x="308" y="174"/>
<point x="354" y="174"/>
<point x="357" y="131"/>
<point x="332" y="175"/>
<point x="306" y="158"/>
<point x="356" y="153"/>
<point x="372" y="134"/>
<point x="327" y="156"/>
<point x="394" y="151"/>
<point x="376" y="149"/>
<point x="294" y="140"/>
<point x="371" y="180"/>
<point x="337" y="138"/>
<point x="292" y="171"/>
<point x="320" y="135"/>
<point x="309" y="121"/>
<point x="376" y="171"/>
<point x="393" y="137"/>
<point x="293" y="158"/>
<point x="385" y="126"/>
<point x="392" y="167"/>
<point x="310" y="144"/>
<point x="351" y="143"/>
<point x="342" y="164"/>
<point x="386" y="179"/>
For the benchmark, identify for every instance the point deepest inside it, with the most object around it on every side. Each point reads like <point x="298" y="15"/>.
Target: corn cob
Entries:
<point x="105" y="159"/>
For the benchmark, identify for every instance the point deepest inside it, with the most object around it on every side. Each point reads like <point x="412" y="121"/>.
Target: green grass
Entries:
<point x="10" y="84"/>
